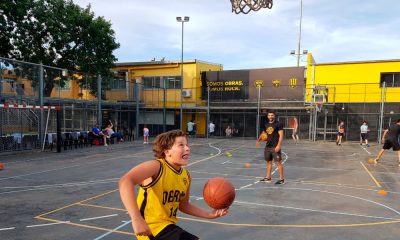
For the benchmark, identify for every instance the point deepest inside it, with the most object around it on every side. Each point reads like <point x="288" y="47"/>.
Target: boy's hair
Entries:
<point x="272" y="111"/>
<point x="164" y="141"/>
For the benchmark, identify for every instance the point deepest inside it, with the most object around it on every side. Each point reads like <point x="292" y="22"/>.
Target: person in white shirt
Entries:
<point x="190" y="128"/>
<point x="364" y="133"/>
<point x="211" y="129"/>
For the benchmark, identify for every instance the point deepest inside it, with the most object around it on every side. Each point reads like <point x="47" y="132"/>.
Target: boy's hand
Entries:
<point x="219" y="213"/>
<point x="257" y="144"/>
<point x="140" y="227"/>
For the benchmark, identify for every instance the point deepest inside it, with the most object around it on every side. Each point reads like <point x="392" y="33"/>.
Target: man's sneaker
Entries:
<point x="376" y="160"/>
<point x="266" y="180"/>
<point x="367" y="145"/>
<point x="280" y="182"/>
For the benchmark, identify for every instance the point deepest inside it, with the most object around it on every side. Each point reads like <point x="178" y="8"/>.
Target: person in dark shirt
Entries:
<point x="274" y="130"/>
<point x="391" y="142"/>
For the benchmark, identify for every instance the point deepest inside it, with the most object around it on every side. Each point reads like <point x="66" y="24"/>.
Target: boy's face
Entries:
<point x="179" y="153"/>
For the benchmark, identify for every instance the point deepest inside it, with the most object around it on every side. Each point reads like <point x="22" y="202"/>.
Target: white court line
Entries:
<point x="249" y="185"/>
<point x="334" y="193"/>
<point x="108" y="233"/>
<point x="365" y="149"/>
<point x="226" y="162"/>
<point x="314" y="210"/>
<point x="4" y="229"/>
<point x="47" y="224"/>
<point x="92" y="218"/>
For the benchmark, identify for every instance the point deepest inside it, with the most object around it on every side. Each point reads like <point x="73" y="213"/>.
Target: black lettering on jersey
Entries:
<point x="172" y="196"/>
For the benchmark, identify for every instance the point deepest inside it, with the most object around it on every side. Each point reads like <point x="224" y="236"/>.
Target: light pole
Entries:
<point x="298" y="45"/>
<point x="182" y="20"/>
<point x="293" y="52"/>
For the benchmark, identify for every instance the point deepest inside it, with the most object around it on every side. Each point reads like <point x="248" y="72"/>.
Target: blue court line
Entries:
<point x="108" y="233"/>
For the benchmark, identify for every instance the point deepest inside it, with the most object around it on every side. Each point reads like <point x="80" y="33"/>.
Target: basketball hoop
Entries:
<point x="245" y="6"/>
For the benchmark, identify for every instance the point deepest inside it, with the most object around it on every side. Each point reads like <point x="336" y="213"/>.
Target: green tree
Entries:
<point x="58" y="33"/>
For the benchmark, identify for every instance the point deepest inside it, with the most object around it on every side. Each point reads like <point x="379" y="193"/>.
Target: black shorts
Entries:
<point x="391" y="143"/>
<point x="269" y="154"/>
<point x="340" y="134"/>
<point x="173" y="232"/>
<point x="364" y="136"/>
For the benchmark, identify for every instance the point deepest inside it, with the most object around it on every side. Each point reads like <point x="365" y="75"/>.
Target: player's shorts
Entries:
<point x="269" y="154"/>
<point x="364" y="136"/>
<point x="173" y="232"/>
<point x="391" y="143"/>
<point x="340" y="134"/>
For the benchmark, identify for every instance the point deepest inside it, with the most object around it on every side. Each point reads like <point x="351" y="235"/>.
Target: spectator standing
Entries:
<point x="211" y="129"/>
<point x="190" y="127"/>
<point x="364" y="130"/>
<point x="146" y="133"/>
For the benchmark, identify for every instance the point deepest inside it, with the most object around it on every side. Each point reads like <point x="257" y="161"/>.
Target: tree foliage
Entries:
<point x="57" y="33"/>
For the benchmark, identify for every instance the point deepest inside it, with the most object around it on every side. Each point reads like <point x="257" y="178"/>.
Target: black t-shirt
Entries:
<point x="273" y="135"/>
<point x="394" y="132"/>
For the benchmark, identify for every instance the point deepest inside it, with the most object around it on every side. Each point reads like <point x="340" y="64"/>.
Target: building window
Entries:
<point x="391" y="79"/>
<point x="118" y="83"/>
<point x="171" y="82"/>
<point x="66" y="85"/>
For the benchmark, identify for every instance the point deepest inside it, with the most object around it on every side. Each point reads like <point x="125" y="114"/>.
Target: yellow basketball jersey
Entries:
<point x="158" y="201"/>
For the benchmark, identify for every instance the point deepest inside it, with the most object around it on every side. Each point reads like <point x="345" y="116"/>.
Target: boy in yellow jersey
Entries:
<point x="164" y="188"/>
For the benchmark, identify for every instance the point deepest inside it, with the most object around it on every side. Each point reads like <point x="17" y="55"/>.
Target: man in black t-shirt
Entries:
<point x="272" y="150"/>
<point x="392" y="141"/>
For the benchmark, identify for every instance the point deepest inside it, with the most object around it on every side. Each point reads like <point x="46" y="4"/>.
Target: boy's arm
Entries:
<point x="127" y="183"/>
<point x="186" y="207"/>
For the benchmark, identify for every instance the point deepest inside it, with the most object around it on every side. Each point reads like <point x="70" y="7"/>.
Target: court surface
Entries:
<point x="331" y="192"/>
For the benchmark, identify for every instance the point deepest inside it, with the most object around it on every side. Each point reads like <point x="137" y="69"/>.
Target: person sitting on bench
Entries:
<point x="98" y="133"/>
<point x="112" y="134"/>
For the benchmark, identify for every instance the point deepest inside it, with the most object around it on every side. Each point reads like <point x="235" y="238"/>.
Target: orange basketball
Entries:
<point x="219" y="193"/>
<point x="1" y="166"/>
<point x="263" y="136"/>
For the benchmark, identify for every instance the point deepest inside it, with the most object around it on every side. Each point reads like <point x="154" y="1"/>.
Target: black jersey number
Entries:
<point x="173" y="212"/>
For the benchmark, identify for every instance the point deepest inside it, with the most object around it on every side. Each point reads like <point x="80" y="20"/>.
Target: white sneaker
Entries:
<point x="105" y="145"/>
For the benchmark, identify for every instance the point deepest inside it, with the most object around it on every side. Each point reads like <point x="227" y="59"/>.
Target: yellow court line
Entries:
<point x="70" y="205"/>
<point x="86" y="226"/>
<point x="292" y="225"/>
<point x="99" y="206"/>
<point x="370" y="174"/>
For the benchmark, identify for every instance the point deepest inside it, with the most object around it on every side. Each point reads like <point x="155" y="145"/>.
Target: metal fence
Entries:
<point x="130" y="105"/>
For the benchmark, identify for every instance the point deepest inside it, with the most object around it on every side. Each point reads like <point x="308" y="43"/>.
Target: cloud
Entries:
<point x="332" y="31"/>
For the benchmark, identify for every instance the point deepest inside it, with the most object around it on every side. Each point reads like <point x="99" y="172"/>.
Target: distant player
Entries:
<point x="164" y="188"/>
<point x="272" y="150"/>
<point x="340" y="133"/>
<point x="391" y="142"/>
<point x="364" y="130"/>
<point x="146" y="134"/>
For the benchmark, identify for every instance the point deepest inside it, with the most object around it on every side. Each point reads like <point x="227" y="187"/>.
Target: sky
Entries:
<point x="333" y="31"/>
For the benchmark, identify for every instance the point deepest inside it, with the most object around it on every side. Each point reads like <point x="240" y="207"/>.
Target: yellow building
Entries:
<point x="353" y="82"/>
<point x="156" y="79"/>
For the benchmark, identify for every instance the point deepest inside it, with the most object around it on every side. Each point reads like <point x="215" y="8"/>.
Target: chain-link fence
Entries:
<point x="133" y="102"/>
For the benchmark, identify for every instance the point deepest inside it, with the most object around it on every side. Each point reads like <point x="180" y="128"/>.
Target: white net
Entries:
<point x="245" y="6"/>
